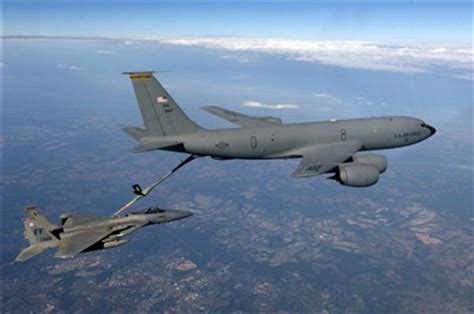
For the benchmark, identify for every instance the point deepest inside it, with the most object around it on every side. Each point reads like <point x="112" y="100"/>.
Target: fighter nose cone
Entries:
<point x="185" y="215"/>
<point x="178" y="214"/>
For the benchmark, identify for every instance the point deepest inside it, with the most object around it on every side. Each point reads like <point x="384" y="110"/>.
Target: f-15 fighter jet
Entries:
<point x="79" y="233"/>
<point x="324" y="147"/>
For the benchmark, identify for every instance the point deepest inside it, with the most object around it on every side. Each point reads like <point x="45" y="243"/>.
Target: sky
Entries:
<point x="426" y="43"/>
<point x="396" y="37"/>
<point x="387" y="22"/>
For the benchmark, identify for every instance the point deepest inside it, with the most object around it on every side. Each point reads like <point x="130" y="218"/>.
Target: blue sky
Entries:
<point x="340" y="21"/>
<point x="403" y="43"/>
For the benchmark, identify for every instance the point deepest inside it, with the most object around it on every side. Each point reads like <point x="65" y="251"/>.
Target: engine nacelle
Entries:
<point x="379" y="161"/>
<point x="357" y="175"/>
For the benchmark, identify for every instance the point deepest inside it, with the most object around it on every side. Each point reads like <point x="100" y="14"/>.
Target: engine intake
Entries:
<point x="357" y="175"/>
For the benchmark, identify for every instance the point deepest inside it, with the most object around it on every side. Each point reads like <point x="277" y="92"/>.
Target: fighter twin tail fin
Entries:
<point x="40" y="232"/>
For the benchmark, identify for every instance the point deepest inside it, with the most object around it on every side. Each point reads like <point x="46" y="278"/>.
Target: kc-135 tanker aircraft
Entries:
<point x="325" y="147"/>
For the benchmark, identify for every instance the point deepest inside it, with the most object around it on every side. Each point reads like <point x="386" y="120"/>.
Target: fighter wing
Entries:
<point x="320" y="159"/>
<point x="241" y="119"/>
<point x="72" y="219"/>
<point x="73" y="244"/>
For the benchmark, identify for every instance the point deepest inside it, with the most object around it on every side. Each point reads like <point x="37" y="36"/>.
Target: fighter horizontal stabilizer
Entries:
<point x="30" y="252"/>
<point x="241" y="119"/>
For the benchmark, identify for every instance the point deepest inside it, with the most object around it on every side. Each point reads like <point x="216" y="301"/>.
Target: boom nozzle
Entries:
<point x="137" y="189"/>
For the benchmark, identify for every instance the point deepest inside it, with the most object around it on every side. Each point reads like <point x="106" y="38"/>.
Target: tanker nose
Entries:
<point x="430" y="128"/>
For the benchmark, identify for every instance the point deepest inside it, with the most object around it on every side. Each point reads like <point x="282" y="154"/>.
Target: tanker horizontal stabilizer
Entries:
<point x="156" y="145"/>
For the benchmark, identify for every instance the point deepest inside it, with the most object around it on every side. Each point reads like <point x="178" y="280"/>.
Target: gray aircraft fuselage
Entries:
<point x="126" y="224"/>
<point x="287" y="140"/>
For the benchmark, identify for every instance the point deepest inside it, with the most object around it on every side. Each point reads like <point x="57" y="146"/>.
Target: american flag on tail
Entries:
<point x="162" y="99"/>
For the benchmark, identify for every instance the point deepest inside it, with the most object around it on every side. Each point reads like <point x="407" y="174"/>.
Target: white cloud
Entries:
<point x="71" y="67"/>
<point x="239" y="59"/>
<point x="328" y="97"/>
<point x="2" y="65"/>
<point x="399" y="57"/>
<point x="468" y="77"/>
<point x="241" y="76"/>
<point x="415" y="57"/>
<point x="256" y="104"/>
<point x="105" y="52"/>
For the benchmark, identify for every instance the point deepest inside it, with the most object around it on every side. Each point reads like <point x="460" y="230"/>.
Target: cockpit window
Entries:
<point x="423" y="125"/>
<point x="151" y="210"/>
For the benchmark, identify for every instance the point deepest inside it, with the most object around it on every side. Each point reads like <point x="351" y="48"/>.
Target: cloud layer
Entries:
<point x="454" y="59"/>
<point x="328" y="98"/>
<point x="407" y="58"/>
<point x="256" y="104"/>
<point x="105" y="52"/>
<point x="71" y="67"/>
